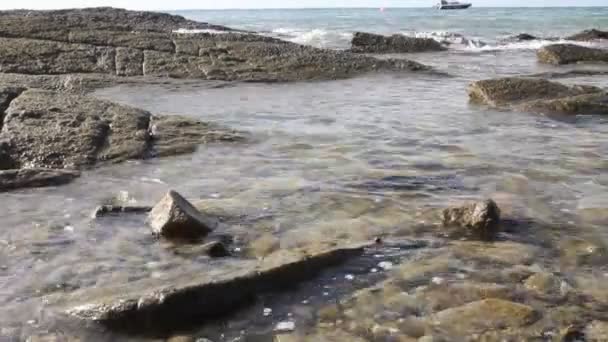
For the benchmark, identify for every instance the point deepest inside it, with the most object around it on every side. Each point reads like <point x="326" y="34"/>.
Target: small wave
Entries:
<point x="315" y="37"/>
<point x="526" y="45"/>
<point x="450" y="39"/>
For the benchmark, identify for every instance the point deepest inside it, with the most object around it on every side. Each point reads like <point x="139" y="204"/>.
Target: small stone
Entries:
<point x="480" y="219"/>
<point x="267" y="312"/>
<point x="215" y="249"/>
<point x="175" y="217"/>
<point x="544" y="284"/>
<point x="386" y="265"/>
<point x="349" y="277"/>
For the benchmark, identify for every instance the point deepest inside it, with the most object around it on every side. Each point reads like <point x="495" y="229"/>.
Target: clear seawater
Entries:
<point x="335" y="160"/>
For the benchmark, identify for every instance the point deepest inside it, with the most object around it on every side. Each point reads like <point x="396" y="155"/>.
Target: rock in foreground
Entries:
<point x="539" y="95"/>
<point x="571" y="53"/>
<point x="33" y="178"/>
<point x="148" y="306"/>
<point x="398" y="43"/>
<point x="126" y="43"/>
<point x="479" y="219"/>
<point x="175" y="217"/>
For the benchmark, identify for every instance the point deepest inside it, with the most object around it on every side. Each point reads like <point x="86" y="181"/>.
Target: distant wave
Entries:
<point x="314" y="37"/>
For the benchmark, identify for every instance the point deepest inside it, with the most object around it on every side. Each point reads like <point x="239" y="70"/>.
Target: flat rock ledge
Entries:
<point x="539" y="96"/>
<point x="33" y="178"/>
<point x="570" y="53"/>
<point x="42" y="130"/>
<point x="122" y="43"/>
<point x="374" y="43"/>
<point x="588" y="35"/>
<point x="147" y="306"/>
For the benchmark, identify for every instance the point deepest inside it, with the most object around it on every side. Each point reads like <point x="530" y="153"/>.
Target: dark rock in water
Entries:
<point x="517" y="90"/>
<point x="525" y="37"/>
<point x="413" y="183"/>
<point x="215" y="249"/>
<point x="105" y="210"/>
<point x="147" y="306"/>
<point x="587" y="35"/>
<point x="175" y="217"/>
<point x="34" y="178"/>
<point x="479" y="219"/>
<point x="571" y="53"/>
<point x="589" y="104"/>
<point x="398" y="43"/>
<point x="120" y="43"/>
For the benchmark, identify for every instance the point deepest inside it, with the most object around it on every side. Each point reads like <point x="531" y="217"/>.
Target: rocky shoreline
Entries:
<point x="481" y="283"/>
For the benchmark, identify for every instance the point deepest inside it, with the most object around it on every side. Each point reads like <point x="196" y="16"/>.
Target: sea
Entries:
<point x="332" y="161"/>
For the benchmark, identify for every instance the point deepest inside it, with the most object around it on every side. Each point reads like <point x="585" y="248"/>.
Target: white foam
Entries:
<point x="315" y="37"/>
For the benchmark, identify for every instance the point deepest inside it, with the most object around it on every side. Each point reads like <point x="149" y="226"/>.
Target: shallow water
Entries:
<point x="340" y="161"/>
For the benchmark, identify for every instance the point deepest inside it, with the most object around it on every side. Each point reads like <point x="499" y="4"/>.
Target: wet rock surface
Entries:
<point x="587" y="35"/>
<point x="124" y="43"/>
<point x="174" y="217"/>
<point x="34" y="178"/>
<point x="480" y="219"/>
<point x="539" y="95"/>
<point x="571" y="53"/>
<point x="374" y="43"/>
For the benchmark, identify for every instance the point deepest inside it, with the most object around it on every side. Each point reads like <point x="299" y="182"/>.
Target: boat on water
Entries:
<point x="452" y="5"/>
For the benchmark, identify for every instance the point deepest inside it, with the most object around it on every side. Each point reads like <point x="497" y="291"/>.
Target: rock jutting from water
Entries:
<point x="149" y="305"/>
<point x="35" y="177"/>
<point x="51" y="130"/>
<point x="120" y="43"/>
<point x="479" y="219"/>
<point x="587" y="35"/>
<point x="363" y="42"/>
<point x="539" y="96"/>
<point x="174" y="217"/>
<point x="570" y="53"/>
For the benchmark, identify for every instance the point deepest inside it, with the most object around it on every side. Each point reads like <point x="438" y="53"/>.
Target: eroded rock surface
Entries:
<point x="539" y="95"/>
<point x="570" y="53"/>
<point x="125" y="43"/>
<point x="175" y="217"/>
<point x="151" y="305"/>
<point x="398" y="43"/>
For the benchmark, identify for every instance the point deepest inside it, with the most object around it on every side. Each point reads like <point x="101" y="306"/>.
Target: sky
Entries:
<point x="215" y="4"/>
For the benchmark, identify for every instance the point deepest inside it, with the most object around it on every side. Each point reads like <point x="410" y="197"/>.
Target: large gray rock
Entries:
<point x="125" y="43"/>
<point x="570" y="53"/>
<point x="587" y="35"/>
<point x="539" y="96"/>
<point x="34" y="178"/>
<point x="516" y="90"/>
<point x="54" y="130"/>
<point x="478" y="219"/>
<point x="175" y="217"/>
<point x="398" y="43"/>
<point x="153" y="305"/>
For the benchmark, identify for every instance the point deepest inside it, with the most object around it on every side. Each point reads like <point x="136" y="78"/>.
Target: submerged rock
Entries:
<point x="215" y="249"/>
<point x="108" y="209"/>
<point x="545" y="284"/>
<point x="597" y="331"/>
<point x="124" y="43"/>
<point x="148" y="306"/>
<point x="34" y="178"/>
<point x="175" y="217"/>
<point x="570" y="53"/>
<point x="586" y="35"/>
<point x="398" y="43"/>
<point x="480" y="219"/>
<point x="579" y="252"/>
<point x="596" y="103"/>
<point x="525" y="37"/>
<point x="487" y="314"/>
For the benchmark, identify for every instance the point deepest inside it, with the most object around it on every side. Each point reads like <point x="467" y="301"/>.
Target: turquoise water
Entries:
<point x="333" y="27"/>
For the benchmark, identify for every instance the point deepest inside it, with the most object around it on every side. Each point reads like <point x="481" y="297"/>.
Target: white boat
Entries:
<point x="452" y="5"/>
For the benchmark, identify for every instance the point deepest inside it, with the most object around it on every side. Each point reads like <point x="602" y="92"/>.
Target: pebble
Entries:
<point x="386" y="265"/>
<point x="374" y="270"/>
<point x="267" y="312"/>
<point x="285" y="326"/>
<point x="349" y="277"/>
